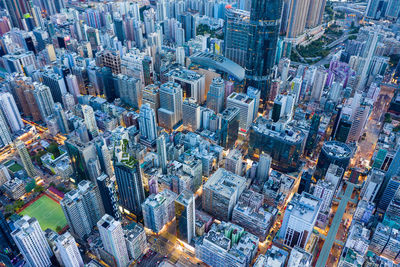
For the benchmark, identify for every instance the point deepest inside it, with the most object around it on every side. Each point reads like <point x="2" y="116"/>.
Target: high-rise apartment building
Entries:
<point x="31" y="242"/>
<point x="5" y="135"/>
<point x="44" y="100"/>
<point x="297" y="17"/>
<point x="108" y="195"/>
<point x="82" y="208"/>
<point x="25" y="158"/>
<point x="147" y="124"/>
<point x="159" y="209"/>
<point x="113" y="239"/>
<point x="151" y="96"/>
<point x="56" y="84"/>
<point x="90" y="120"/>
<point x="11" y="112"/>
<point x="68" y="250"/>
<point x="221" y="193"/>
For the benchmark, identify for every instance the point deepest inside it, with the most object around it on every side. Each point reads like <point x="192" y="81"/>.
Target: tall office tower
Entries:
<point x="264" y="165"/>
<point x="162" y="153"/>
<point x="61" y="119"/>
<point x="191" y="82"/>
<point x="229" y="127"/>
<point x="108" y="195"/>
<point x="221" y="193"/>
<point x="297" y="17"/>
<point x="389" y="190"/>
<point x="311" y="141"/>
<point x="151" y="96"/>
<point x="5" y="135"/>
<point x="130" y="186"/>
<point x="379" y="238"/>
<point x="17" y="10"/>
<point x="233" y="162"/>
<point x="299" y="220"/>
<point x="360" y="119"/>
<point x="90" y="120"/>
<point x="237" y="23"/>
<point x="372" y="185"/>
<point x="256" y="95"/>
<point x="159" y="210"/>
<point x="332" y="152"/>
<point x="80" y="154"/>
<point x="68" y="250"/>
<point x="82" y="208"/>
<point x="185" y="216"/>
<point x="188" y="21"/>
<point x="315" y="13"/>
<point x="56" y="84"/>
<point x="170" y="111"/>
<point x="31" y="242"/>
<point x="191" y="116"/>
<point x="113" y="239"/>
<point x="6" y="240"/>
<point x="44" y="100"/>
<point x="25" y="158"/>
<point x="129" y="90"/>
<point x="318" y="84"/>
<point x="246" y="107"/>
<point x="147" y="125"/>
<point x="11" y="112"/>
<point x="374" y="37"/>
<point x="216" y="94"/>
<point x="265" y="17"/>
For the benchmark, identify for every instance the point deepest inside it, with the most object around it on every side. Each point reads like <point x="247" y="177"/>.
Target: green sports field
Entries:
<point x="47" y="212"/>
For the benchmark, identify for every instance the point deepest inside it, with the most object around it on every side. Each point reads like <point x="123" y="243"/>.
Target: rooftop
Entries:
<point x="225" y="182"/>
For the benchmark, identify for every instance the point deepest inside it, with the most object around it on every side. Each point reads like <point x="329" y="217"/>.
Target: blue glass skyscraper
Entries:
<point x="265" y="19"/>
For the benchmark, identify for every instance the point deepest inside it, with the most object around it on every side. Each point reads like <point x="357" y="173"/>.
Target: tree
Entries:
<point x="58" y="229"/>
<point x="9" y="208"/>
<point x="38" y="189"/>
<point x="388" y="118"/>
<point x="53" y="149"/>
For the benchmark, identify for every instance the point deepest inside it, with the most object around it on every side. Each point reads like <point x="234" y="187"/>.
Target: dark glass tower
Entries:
<point x="130" y="187"/>
<point x="265" y="19"/>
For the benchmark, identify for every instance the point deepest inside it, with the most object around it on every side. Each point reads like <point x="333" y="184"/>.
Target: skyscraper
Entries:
<point x="44" y="100"/>
<point x="265" y="17"/>
<point x="69" y="252"/>
<point x="147" y="124"/>
<point x="297" y="17"/>
<point x="215" y="96"/>
<point x="82" y="208"/>
<point x="170" y="111"/>
<point x="5" y="135"/>
<point x="264" y="165"/>
<point x="236" y="35"/>
<point x="11" y="112"/>
<point x="113" y="239"/>
<point x="162" y="153"/>
<point x="299" y="220"/>
<point x="61" y="119"/>
<point x="56" y="84"/>
<point x="25" y="158"/>
<point x="90" y="120"/>
<point x="185" y="216"/>
<point x="246" y="107"/>
<point x="108" y="195"/>
<point x="31" y="242"/>
<point x="191" y="114"/>
<point x="130" y="186"/>
<point x="229" y="127"/>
